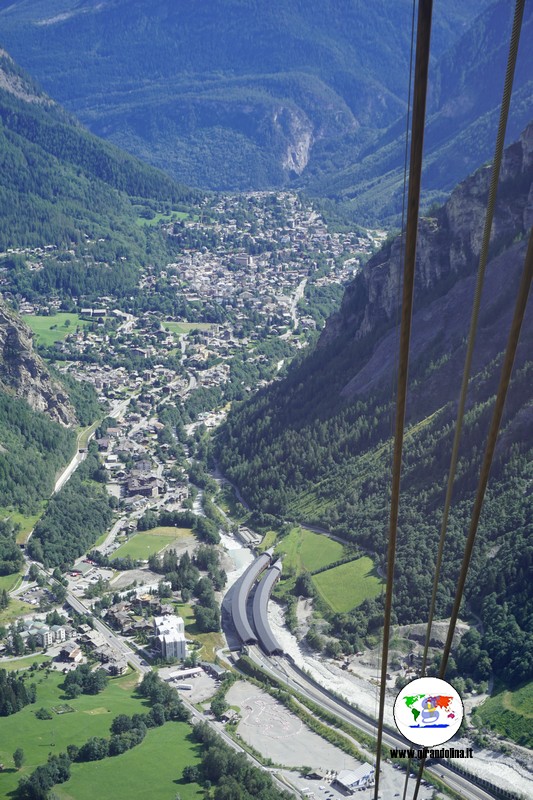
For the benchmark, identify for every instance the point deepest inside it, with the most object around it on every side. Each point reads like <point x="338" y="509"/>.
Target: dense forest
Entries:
<point x="14" y="693"/>
<point x="274" y="100"/>
<point x="335" y="472"/>
<point x="74" y="518"/>
<point x="83" y="397"/>
<point x="11" y="558"/>
<point x="64" y="188"/>
<point x="32" y="450"/>
<point x="316" y="446"/>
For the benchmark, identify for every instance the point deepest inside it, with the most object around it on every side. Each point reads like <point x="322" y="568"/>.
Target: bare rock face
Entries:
<point x="296" y="127"/>
<point x="448" y="245"/>
<point x="24" y="374"/>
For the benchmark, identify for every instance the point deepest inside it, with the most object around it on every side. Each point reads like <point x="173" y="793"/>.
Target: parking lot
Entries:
<point x="391" y="786"/>
<point x="280" y="735"/>
<point x="88" y="576"/>
<point x="203" y="686"/>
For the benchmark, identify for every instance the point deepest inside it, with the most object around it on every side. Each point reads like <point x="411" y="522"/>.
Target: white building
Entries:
<point x="170" y="633"/>
<point x="349" y="780"/>
<point x="44" y="634"/>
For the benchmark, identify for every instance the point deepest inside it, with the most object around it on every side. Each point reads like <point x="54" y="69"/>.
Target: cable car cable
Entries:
<point x="425" y="9"/>
<point x="483" y="258"/>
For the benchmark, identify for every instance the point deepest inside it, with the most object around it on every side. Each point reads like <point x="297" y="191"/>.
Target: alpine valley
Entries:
<point x="200" y="284"/>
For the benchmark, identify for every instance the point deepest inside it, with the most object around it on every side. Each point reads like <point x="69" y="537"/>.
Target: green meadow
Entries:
<point x="186" y="327"/>
<point x="209" y="642"/>
<point x="52" y="329"/>
<point x="15" y="609"/>
<point x="92" y="717"/>
<point x="511" y="714"/>
<point x="8" y="582"/>
<point x="159" y="217"/>
<point x="146" y="543"/>
<point x="346" y="586"/>
<point x="304" y="550"/>
<point x="25" y="662"/>
<point x="26" y="522"/>
<point x="152" y="770"/>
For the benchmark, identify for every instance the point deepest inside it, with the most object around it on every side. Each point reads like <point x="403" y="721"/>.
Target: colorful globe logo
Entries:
<point x="428" y="711"/>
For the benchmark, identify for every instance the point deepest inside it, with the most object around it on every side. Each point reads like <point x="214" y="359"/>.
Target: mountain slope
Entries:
<point x="465" y="89"/>
<point x="24" y="375"/>
<point x="63" y="187"/>
<point x="316" y="445"/>
<point x="227" y="94"/>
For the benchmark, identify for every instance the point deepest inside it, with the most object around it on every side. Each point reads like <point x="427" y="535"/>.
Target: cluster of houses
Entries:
<point x="70" y="641"/>
<point x="263" y="277"/>
<point x="46" y="635"/>
<point x="167" y="629"/>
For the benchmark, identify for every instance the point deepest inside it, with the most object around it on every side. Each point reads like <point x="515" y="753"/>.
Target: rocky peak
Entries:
<point x="448" y="244"/>
<point x="24" y="374"/>
<point x="17" y="83"/>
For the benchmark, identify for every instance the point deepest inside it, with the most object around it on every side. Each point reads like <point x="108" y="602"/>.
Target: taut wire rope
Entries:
<point x="425" y="10"/>
<point x="483" y="258"/>
<point x="505" y="378"/>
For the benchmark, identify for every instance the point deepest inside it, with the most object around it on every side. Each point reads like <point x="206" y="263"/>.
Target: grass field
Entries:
<point x="27" y="522"/>
<point x="210" y="642"/>
<point x="305" y="550"/>
<point x="146" y="543"/>
<point x="24" y="663"/>
<point x="152" y="770"/>
<point x="511" y="714"/>
<point x="16" y="608"/>
<point x="92" y="717"/>
<point x="52" y="329"/>
<point x="269" y="540"/>
<point x="8" y="582"/>
<point x="346" y="586"/>
<point x="173" y="216"/>
<point x="85" y="433"/>
<point x="186" y="327"/>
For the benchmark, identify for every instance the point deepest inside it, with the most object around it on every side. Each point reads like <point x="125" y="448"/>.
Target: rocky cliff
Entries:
<point x="24" y="374"/>
<point x="447" y="258"/>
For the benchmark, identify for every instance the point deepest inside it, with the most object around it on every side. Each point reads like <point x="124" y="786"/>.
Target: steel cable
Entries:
<point x="425" y="9"/>
<point x="483" y="258"/>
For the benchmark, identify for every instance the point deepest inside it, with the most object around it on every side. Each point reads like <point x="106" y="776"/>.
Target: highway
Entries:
<point x="281" y="669"/>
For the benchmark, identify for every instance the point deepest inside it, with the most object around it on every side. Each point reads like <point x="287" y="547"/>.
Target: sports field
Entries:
<point x="52" y="329"/>
<point x="92" y="717"/>
<point x="511" y="714"/>
<point x="346" y="586"/>
<point x="145" y="543"/>
<point x="304" y="550"/>
<point x="186" y="327"/>
<point x="152" y="770"/>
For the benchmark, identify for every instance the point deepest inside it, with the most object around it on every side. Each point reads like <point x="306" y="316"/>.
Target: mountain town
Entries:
<point x="253" y="340"/>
